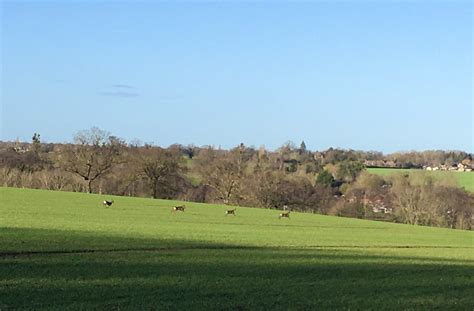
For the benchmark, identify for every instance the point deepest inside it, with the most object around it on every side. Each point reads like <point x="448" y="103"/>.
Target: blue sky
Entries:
<point x="378" y="75"/>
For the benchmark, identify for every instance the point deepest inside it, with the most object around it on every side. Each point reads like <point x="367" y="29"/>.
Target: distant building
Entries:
<point x="382" y="209"/>
<point x="461" y="167"/>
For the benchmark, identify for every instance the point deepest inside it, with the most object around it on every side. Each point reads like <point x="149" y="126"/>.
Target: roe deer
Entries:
<point x="179" y="208"/>
<point x="108" y="203"/>
<point x="230" y="212"/>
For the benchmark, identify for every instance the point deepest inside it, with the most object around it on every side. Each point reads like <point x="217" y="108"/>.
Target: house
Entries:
<point x="378" y="202"/>
<point x="462" y="167"/>
<point x="390" y="163"/>
<point x="20" y="149"/>
<point x="382" y="209"/>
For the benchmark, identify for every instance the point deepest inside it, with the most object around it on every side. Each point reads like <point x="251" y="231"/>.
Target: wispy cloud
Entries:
<point x="120" y="94"/>
<point x="122" y="86"/>
<point x="120" y="90"/>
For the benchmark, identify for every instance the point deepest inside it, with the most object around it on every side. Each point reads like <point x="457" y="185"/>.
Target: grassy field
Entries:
<point x="464" y="179"/>
<point x="65" y="250"/>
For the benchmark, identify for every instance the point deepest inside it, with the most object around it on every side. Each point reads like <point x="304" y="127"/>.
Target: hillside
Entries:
<point x="62" y="249"/>
<point x="464" y="179"/>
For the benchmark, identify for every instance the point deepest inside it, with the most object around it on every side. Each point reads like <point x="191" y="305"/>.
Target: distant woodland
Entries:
<point x="333" y="182"/>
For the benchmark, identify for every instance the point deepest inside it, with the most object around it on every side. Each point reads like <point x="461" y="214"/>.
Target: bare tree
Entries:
<point x="163" y="171"/>
<point x="224" y="174"/>
<point x="94" y="154"/>
<point x="431" y="202"/>
<point x="408" y="199"/>
<point x="264" y="184"/>
<point x="285" y="152"/>
<point x="452" y="207"/>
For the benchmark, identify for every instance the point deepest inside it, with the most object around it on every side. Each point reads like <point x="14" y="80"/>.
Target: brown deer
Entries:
<point x="230" y="212"/>
<point x="284" y="214"/>
<point x="179" y="208"/>
<point x="107" y="204"/>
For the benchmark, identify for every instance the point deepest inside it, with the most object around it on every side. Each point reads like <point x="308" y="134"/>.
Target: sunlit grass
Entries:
<point x="463" y="179"/>
<point x="64" y="249"/>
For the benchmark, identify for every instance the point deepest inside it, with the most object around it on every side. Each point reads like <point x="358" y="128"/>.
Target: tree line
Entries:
<point x="332" y="182"/>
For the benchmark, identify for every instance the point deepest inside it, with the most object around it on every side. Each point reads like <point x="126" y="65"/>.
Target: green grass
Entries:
<point x="64" y="250"/>
<point x="464" y="179"/>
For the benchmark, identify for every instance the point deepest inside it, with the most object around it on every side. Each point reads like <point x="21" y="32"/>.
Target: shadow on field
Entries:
<point x="149" y="273"/>
<point x="285" y="223"/>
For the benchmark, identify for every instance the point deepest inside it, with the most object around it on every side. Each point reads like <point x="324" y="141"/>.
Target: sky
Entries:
<point x="367" y="75"/>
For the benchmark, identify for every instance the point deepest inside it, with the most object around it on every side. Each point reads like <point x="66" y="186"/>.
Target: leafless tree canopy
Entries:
<point x="94" y="154"/>
<point x="332" y="182"/>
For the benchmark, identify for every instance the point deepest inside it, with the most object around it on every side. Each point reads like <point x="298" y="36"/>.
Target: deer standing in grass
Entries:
<point x="284" y="215"/>
<point x="230" y="212"/>
<point x="179" y="208"/>
<point x="107" y="203"/>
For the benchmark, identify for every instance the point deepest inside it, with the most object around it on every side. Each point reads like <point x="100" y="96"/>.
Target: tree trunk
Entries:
<point x="155" y="190"/>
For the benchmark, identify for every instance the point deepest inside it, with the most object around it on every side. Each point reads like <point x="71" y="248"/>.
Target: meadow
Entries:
<point x="463" y="179"/>
<point x="66" y="250"/>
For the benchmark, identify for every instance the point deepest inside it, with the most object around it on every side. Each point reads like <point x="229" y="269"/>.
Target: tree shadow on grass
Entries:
<point x="193" y="275"/>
